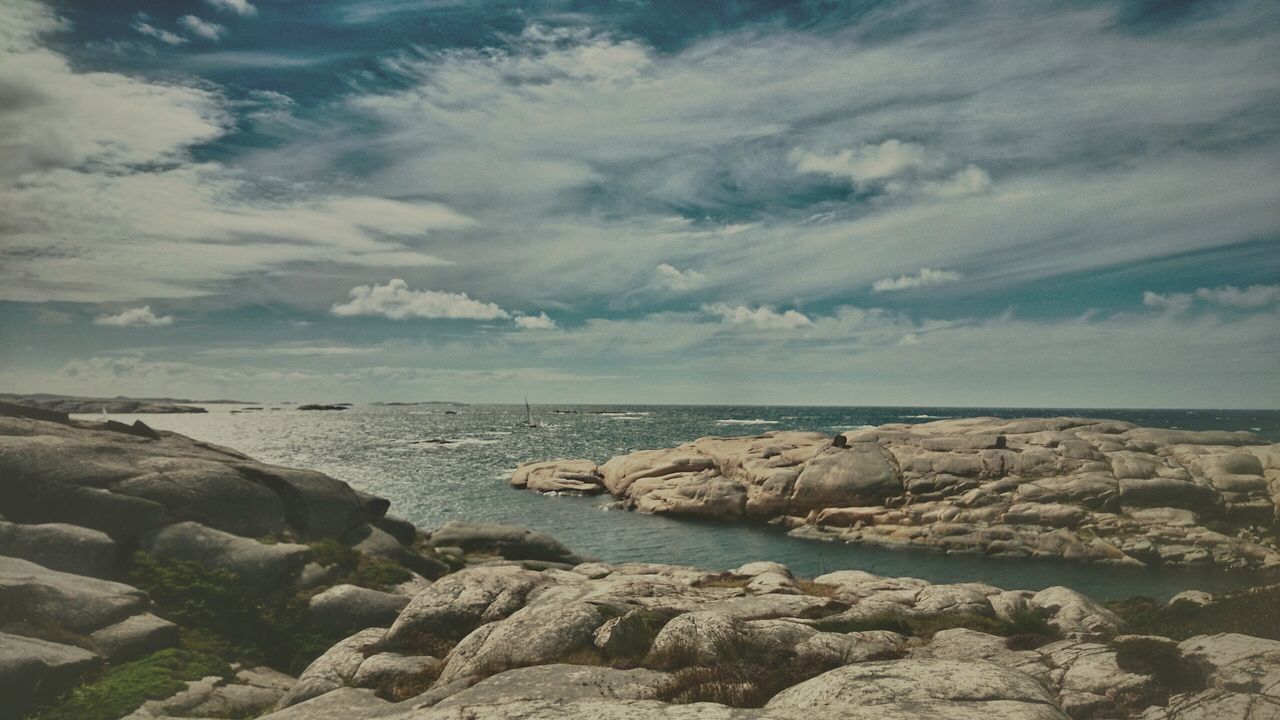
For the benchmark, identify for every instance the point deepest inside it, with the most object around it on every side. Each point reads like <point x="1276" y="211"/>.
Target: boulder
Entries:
<point x="1075" y="615"/>
<point x="559" y="682"/>
<point x="508" y="541"/>
<point x="135" y="636"/>
<point x="459" y="603"/>
<point x="580" y="476"/>
<point x="926" y="687"/>
<point x="33" y="669"/>
<point x="59" y="546"/>
<point x="334" y="669"/>
<point x="260" y="568"/>
<point x="349" y="607"/>
<point x="396" y="672"/>
<point x="41" y="598"/>
<point x="861" y="474"/>
<point x="339" y="704"/>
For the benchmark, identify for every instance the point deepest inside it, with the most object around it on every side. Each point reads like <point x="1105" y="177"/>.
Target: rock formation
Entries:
<point x="1091" y="490"/>
<point x="503" y="622"/>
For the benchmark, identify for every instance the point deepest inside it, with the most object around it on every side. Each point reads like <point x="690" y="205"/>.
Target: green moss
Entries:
<point x="379" y="574"/>
<point x="328" y="552"/>
<point x="223" y="619"/>
<point x="119" y="690"/>
<point x="1255" y="611"/>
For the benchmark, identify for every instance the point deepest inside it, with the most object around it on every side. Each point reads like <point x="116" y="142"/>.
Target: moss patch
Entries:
<point x="1255" y="611"/>
<point x="379" y="574"/>
<point x="119" y="690"/>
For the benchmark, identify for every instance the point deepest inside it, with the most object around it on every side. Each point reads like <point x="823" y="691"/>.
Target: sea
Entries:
<point x="438" y="462"/>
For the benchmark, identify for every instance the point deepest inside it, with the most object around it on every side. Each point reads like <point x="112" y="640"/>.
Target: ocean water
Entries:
<point x="438" y="463"/>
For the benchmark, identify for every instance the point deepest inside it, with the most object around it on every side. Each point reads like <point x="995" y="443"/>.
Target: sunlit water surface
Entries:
<point x="395" y="451"/>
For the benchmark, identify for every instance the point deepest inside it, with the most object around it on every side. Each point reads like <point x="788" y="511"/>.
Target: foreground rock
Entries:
<point x="1080" y="489"/>
<point x="643" y="641"/>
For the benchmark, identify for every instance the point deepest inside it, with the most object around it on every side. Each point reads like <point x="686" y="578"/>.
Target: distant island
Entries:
<point x="119" y="404"/>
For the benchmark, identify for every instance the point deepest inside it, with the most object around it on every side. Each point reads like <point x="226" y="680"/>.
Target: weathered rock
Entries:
<point x="1075" y="615"/>
<point x="559" y="682"/>
<point x="261" y="568"/>
<point x="508" y="541"/>
<point x="40" y="597"/>
<point x="574" y="476"/>
<point x="459" y="603"/>
<point x="397" y="672"/>
<point x="334" y="669"/>
<point x="252" y="692"/>
<point x="340" y="704"/>
<point x="925" y="687"/>
<point x="135" y="636"/>
<point x="33" y="669"/>
<point x="350" y="607"/>
<point x="59" y="546"/>
<point x="1073" y="488"/>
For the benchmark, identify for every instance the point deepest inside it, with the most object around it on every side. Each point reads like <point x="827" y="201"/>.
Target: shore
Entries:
<point x="257" y="590"/>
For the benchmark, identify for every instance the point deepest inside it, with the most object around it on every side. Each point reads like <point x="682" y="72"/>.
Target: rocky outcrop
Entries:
<point x="1081" y="489"/>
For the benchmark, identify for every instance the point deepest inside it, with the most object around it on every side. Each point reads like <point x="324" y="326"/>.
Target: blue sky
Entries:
<point x="940" y="203"/>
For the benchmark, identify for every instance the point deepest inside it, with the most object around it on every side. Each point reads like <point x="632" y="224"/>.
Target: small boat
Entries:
<point x="528" y="414"/>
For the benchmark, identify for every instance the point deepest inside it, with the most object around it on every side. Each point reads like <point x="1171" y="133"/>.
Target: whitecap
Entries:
<point x="926" y="417"/>
<point x="757" y="421"/>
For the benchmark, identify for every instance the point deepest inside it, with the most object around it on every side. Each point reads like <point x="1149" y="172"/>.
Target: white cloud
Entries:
<point x="535" y="322"/>
<point x="1254" y="296"/>
<point x="97" y="180"/>
<point x="676" y="279"/>
<point x="134" y="317"/>
<point x="202" y="28"/>
<point x="243" y="8"/>
<point x="869" y="162"/>
<point x="164" y="36"/>
<point x="763" y="317"/>
<point x="396" y="301"/>
<point x="926" y="277"/>
<point x="1172" y="302"/>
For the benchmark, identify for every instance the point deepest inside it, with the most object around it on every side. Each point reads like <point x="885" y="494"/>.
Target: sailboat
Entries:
<point x="528" y="414"/>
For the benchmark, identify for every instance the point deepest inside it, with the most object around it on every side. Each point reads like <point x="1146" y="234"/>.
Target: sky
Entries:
<point x="921" y="202"/>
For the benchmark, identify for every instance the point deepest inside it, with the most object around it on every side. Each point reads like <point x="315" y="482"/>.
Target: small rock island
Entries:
<point x="147" y="575"/>
<point x="1099" y="491"/>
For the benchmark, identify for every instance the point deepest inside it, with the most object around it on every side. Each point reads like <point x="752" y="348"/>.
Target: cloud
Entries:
<point x="201" y="28"/>
<point x="396" y="301"/>
<point x="535" y="322"/>
<point x="243" y="8"/>
<point x="164" y="36"/>
<point x="972" y="180"/>
<point x="1254" y="296"/>
<point x="763" y="317"/>
<point x="97" y="180"/>
<point x="134" y="317"/>
<point x="926" y="277"/>
<point x="888" y="159"/>
<point x="676" y="279"/>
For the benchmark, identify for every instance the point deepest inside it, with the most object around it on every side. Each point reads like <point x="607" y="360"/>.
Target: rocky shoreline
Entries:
<point x="149" y="575"/>
<point x="1099" y="491"/>
<point x="93" y="406"/>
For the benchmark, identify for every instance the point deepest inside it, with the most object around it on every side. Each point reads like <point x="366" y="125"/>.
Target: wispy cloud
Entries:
<point x="925" y="278"/>
<point x="141" y="25"/>
<point x="888" y="159"/>
<point x="396" y="301"/>
<point x="202" y="28"/>
<point x="135" y="317"/>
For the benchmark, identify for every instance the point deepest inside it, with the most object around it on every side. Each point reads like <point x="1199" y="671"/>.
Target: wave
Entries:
<point x="452" y="444"/>
<point x="757" y="421"/>
<point x="926" y="417"/>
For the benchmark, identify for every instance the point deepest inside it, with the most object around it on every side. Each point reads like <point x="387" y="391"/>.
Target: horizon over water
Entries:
<point x="435" y="466"/>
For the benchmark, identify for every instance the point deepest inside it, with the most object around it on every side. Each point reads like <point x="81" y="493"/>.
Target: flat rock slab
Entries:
<point x="563" y="682"/>
<point x="136" y="636"/>
<point x="36" y="595"/>
<point x="60" y="546"/>
<point x="31" y="668"/>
